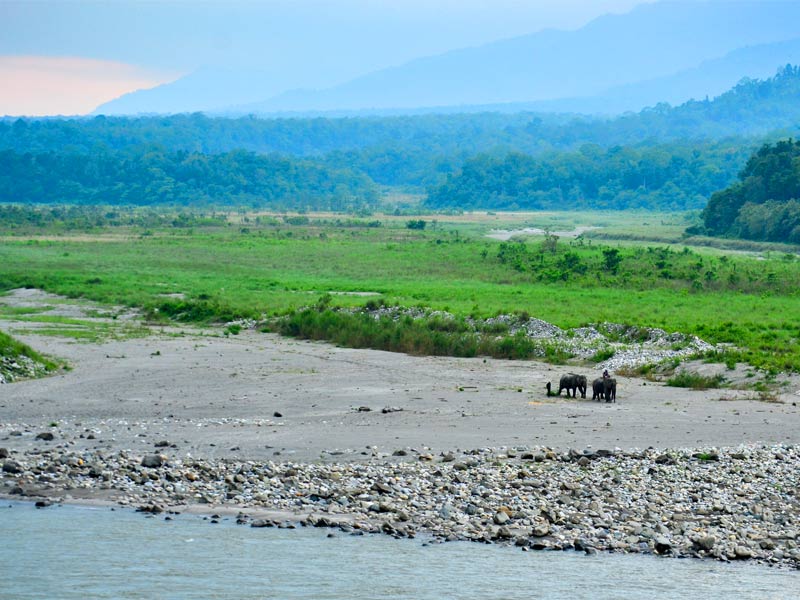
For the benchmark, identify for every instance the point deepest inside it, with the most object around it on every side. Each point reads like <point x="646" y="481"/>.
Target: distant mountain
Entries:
<point x="711" y="78"/>
<point x="652" y="41"/>
<point x="195" y="92"/>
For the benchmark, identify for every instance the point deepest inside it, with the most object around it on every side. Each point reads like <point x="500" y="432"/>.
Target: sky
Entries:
<point x="65" y="57"/>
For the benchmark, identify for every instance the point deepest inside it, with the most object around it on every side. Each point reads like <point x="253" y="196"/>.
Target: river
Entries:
<point x="68" y="552"/>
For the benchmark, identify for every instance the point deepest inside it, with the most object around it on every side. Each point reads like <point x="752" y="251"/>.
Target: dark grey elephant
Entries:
<point x="572" y="382"/>
<point x="604" y="388"/>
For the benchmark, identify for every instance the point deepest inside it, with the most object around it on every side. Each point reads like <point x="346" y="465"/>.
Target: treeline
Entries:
<point x="666" y="177"/>
<point x="753" y="107"/>
<point x="22" y="218"/>
<point x="236" y="178"/>
<point x="765" y="203"/>
<point x="662" y="158"/>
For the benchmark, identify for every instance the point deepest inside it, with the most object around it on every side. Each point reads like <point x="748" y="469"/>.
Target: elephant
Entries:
<point x="572" y="382"/>
<point x="604" y="388"/>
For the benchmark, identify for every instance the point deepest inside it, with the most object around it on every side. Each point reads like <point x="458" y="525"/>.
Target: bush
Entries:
<point x="602" y="355"/>
<point x="695" y="381"/>
<point x="436" y="336"/>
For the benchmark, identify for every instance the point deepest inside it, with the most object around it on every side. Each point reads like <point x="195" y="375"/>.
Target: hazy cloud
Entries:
<point x="46" y="85"/>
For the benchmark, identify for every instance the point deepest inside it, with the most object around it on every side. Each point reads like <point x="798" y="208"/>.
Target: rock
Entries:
<point x="47" y="436"/>
<point x="162" y="444"/>
<point x="501" y="518"/>
<point x="541" y="530"/>
<point x="12" y="466"/>
<point x="382" y="488"/>
<point x="400" y="452"/>
<point x="261" y="523"/>
<point x="584" y="461"/>
<point x="503" y="533"/>
<point x="4" y="453"/>
<point x="277" y="415"/>
<point x="581" y="544"/>
<point x="390" y="409"/>
<point x="743" y="553"/>
<point x="364" y="409"/>
<point x="662" y="545"/>
<point x="665" y="459"/>
<point x="152" y="461"/>
<point x="705" y="542"/>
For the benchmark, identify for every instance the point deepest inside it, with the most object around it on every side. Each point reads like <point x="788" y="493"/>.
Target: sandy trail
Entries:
<point x="214" y="396"/>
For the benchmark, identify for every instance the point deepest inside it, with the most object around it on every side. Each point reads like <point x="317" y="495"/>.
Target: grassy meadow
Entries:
<point x="635" y="268"/>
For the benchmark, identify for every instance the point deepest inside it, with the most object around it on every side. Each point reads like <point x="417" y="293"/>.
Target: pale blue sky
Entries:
<point x="107" y="47"/>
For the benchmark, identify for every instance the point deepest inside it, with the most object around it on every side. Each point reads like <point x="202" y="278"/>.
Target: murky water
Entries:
<point x="75" y="552"/>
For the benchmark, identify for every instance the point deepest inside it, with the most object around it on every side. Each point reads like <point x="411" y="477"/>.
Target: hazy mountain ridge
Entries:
<point x="650" y="42"/>
<point x="662" y="158"/>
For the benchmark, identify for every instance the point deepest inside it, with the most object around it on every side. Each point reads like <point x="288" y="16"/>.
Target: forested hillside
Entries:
<point x="660" y="158"/>
<point x="664" y="177"/>
<point x="765" y="203"/>
<point x="181" y="178"/>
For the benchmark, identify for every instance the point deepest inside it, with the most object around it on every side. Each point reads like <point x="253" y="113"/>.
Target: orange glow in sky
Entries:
<point x="44" y="85"/>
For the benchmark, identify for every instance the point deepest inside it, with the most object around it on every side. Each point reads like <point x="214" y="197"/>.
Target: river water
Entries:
<point x="65" y="552"/>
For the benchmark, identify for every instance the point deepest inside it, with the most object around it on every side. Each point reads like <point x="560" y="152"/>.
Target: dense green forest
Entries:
<point x="662" y="158"/>
<point x="765" y="203"/>
<point x="180" y="178"/>
<point x="664" y="177"/>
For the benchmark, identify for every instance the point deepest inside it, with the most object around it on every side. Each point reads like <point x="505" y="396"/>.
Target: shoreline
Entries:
<point x="726" y="504"/>
<point x="362" y="440"/>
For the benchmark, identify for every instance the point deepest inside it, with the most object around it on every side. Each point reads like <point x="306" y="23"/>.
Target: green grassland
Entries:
<point x="635" y="269"/>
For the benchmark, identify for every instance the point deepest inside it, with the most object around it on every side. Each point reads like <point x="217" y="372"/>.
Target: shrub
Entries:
<point x="695" y="381"/>
<point x="602" y="355"/>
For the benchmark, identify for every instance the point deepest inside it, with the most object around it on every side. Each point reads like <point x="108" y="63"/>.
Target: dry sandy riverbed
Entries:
<point x="213" y="396"/>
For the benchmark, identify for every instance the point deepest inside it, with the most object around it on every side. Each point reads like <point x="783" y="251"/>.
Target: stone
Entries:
<point x="662" y="545"/>
<point x="501" y="518"/>
<point x="12" y="466"/>
<point x="277" y="415"/>
<point x="47" y="436"/>
<point x="541" y="530"/>
<point x="152" y="461"/>
<point x="705" y="542"/>
<point x="4" y="453"/>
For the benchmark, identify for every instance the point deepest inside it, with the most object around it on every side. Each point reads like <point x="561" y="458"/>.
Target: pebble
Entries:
<point x="742" y="505"/>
